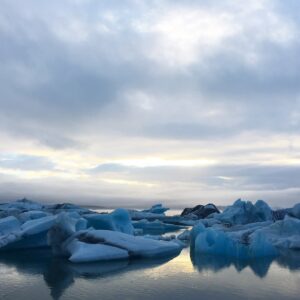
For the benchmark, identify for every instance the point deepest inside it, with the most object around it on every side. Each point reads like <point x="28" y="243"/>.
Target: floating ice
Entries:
<point x="283" y="234"/>
<point x="93" y="245"/>
<point x="184" y="236"/>
<point x="155" y="226"/>
<point x="217" y="242"/>
<point x="242" y="212"/>
<point x="295" y="211"/>
<point x="156" y="209"/>
<point x="118" y="220"/>
<point x="9" y="224"/>
<point x="86" y="252"/>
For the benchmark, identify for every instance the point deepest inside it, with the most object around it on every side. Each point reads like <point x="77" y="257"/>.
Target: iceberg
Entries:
<point x="184" y="236"/>
<point x="200" y="211"/>
<point x="32" y="215"/>
<point x="283" y="234"/>
<point x="156" y="209"/>
<point x="155" y="226"/>
<point x="295" y="211"/>
<point x="96" y="245"/>
<point x="135" y="245"/>
<point x="9" y="224"/>
<point x="22" y="205"/>
<point x="85" y="252"/>
<point x="118" y="220"/>
<point x="31" y="234"/>
<point x="244" y="212"/>
<point x="217" y="242"/>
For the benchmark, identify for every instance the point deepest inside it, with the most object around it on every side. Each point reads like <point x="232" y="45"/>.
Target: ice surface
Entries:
<point x="93" y="245"/>
<point x="155" y="226"/>
<point x="243" y="231"/>
<point x="184" y="236"/>
<point x="9" y="224"/>
<point x="243" y="212"/>
<point x="23" y="205"/>
<point x="135" y="245"/>
<point x="140" y="215"/>
<point x="156" y="209"/>
<point x="217" y="242"/>
<point x="118" y="220"/>
<point x="39" y="225"/>
<point x="32" y="215"/>
<point x="84" y="252"/>
<point x="295" y="211"/>
<point x="283" y="234"/>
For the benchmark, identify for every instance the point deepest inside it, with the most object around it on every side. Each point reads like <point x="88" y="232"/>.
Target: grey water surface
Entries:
<point x="35" y="274"/>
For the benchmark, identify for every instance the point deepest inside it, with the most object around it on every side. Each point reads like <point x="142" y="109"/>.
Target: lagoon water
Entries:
<point x="35" y="274"/>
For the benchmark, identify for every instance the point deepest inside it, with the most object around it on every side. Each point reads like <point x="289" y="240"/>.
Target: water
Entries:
<point x="37" y="275"/>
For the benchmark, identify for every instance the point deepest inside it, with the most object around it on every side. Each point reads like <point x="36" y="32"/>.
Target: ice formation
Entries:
<point x="247" y="231"/>
<point x="156" y="209"/>
<point x="118" y="220"/>
<point x="156" y="225"/>
<point x="95" y="245"/>
<point x="243" y="212"/>
<point x="242" y="231"/>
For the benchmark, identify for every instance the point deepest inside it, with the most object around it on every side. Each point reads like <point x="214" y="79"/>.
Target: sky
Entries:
<point x="129" y="103"/>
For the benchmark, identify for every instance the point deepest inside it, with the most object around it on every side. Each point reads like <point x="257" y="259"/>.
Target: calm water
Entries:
<point x="36" y="275"/>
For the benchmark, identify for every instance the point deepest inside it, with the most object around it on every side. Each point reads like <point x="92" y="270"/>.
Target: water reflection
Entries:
<point x="59" y="274"/>
<point x="259" y="266"/>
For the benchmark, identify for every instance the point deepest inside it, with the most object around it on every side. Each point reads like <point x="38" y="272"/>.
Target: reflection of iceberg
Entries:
<point x="260" y="266"/>
<point x="59" y="273"/>
<point x="289" y="259"/>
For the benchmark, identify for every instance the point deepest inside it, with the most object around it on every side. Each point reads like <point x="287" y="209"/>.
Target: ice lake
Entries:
<point x="37" y="275"/>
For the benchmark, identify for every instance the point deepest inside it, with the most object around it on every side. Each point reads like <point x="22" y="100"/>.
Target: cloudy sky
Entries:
<point x="134" y="102"/>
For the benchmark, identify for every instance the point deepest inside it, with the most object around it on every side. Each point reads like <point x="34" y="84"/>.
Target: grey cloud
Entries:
<point x="26" y="162"/>
<point x="232" y="177"/>
<point x="68" y="70"/>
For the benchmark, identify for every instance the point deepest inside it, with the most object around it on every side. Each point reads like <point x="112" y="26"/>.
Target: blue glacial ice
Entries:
<point x="156" y="209"/>
<point x="96" y="245"/>
<point x="243" y="212"/>
<point x="243" y="230"/>
<point x="118" y="220"/>
<point x="155" y="226"/>
<point x="246" y="231"/>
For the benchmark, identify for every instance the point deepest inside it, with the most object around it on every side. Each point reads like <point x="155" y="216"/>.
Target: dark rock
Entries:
<point x="201" y="211"/>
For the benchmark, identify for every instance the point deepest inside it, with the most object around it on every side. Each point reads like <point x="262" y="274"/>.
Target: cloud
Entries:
<point x="96" y="83"/>
<point x="25" y="162"/>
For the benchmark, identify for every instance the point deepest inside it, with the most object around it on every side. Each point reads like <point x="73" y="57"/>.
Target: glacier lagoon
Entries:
<point x="36" y="274"/>
<point x="247" y="251"/>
